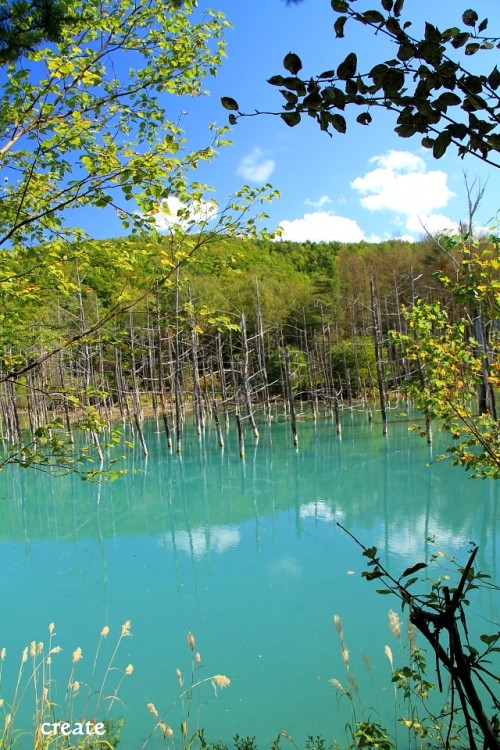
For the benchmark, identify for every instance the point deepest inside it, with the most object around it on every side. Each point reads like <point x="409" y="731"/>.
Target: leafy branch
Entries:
<point x="430" y="89"/>
<point x="439" y="613"/>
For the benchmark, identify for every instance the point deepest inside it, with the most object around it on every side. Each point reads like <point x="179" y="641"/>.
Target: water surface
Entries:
<point x="245" y="555"/>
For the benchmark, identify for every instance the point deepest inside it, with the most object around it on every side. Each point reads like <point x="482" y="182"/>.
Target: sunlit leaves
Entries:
<point x="81" y="108"/>
<point x="450" y="361"/>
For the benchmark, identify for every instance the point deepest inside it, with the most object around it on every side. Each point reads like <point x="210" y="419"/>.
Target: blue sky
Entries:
<point x="366" y="184"/>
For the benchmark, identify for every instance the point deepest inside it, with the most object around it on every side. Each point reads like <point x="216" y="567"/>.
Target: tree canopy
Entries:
<point x="25" y="25"/>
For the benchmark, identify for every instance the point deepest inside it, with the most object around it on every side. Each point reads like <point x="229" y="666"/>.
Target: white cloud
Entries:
<point x="321" y="226"/>
<point x="400" y="183"/>
<point x="255" y="167"/>
<point x="323" y="201"/>
<point x="200" y="541"/>
<point x="434" y="224"/>
<point x="399" y="160"/>
<point x="319" y="510"/>
<point x="407" y="193"/>
<point x="405" y="537"/>
<point x="173" y="211"/>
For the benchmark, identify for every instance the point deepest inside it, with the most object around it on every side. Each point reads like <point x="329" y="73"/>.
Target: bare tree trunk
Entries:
<point x="246" y="378"/>
<point x="377" y="340"/>
<point x="222" y="380"/>
<point x="261" y="357"/>
<point x="218" y="429"/>
<point x="161" y="375"/>
<point x="136" y="400"/>
<point x="420" y="372"/>
<point x="289" y="392"/>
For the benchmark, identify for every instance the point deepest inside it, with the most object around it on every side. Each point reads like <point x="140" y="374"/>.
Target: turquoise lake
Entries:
<point x="248" y="557"/>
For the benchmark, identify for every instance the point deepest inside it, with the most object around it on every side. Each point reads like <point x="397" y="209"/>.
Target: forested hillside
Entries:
<point x="240" y="323"/>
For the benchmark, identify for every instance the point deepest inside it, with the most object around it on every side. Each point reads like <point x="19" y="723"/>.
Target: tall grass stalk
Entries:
<point x="189" y="736"/>
<point x="35" y="673"/>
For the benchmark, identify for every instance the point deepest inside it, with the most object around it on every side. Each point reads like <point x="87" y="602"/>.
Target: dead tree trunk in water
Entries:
<point x="136" y="400"/>
<point x="161" y="374"/>
<point x="198" y="407"/>
<point x="236" y="399"/>
<point x="218" y="429"/>
<point x="222" y="380"/>
<point x="245" y="376"/>
<point x="289" y="391"/>
<point x="377" y="341"/>
<point x="313" y="395"/>
<point x="174" y="349"/>
<point x="420" y="372"/>
<point x="261" y="358"/>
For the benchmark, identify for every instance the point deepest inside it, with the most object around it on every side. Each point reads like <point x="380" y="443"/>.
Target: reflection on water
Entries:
<point x="246" y="555"/>
<point x="200" y="541"/>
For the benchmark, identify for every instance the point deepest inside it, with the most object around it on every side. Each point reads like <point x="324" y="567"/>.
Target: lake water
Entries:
<point x="245" y="555"/>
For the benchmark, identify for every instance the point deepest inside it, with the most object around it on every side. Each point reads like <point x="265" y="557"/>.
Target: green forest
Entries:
<point x="238" y="322"/>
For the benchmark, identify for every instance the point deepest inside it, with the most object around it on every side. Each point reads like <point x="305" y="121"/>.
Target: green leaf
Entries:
<point x="364" y="119"/>
<point x="470" y="17"/>
<point x="494" y="142"/>
<point x="338" y="123"/>
<point x="489" y="639"/>
<point x="413" y="580"/>
<point x="460" y="40"/>
<point x="373" y="16"/>
<point x="295" y="84"/>
<point x="371" y="552"/>
<point x="338" y="27"/>
<point x="387" y="5"/>
<point x="494" y="78"/>
<point x="291" y="118"/>
<point x="229" y="103"/>
<point x="448" y="99"/>
<point x="276" y="80"/>
<point x="482" y="26"/>
<point x="377" y="573"/>
<point x="398" y="7"/>
<point x="312" y="101"/>
<point x="340" y="6"/>
<point x="472" y="48"/>
<point x="406" y="52"/>
<point x="290" y="97"/>
<point x="413" y="569"/>
<point x="332" y="95"/>
<point x="292" y="63"/>
<point x="347" y="68"/>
